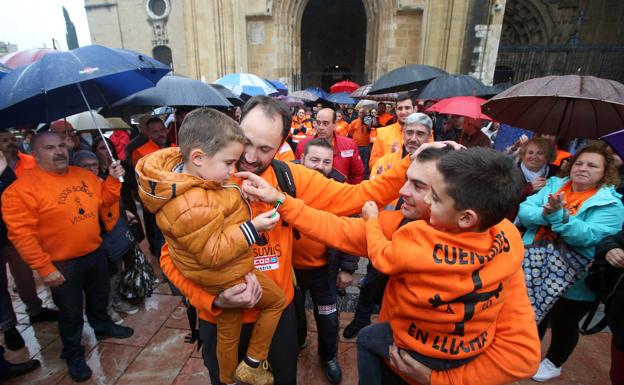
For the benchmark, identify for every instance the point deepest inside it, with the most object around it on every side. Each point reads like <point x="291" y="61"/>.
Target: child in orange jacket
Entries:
<point x="206" y="224"/>
<point x="446" y="276"/>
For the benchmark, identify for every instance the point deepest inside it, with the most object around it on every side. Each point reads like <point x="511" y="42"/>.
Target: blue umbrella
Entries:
<point x="248" y="84"/>
<point x="279" y="86"/>
<point x="341" y="98"/>
<point x="318" y="91"/>
<point x="4" y="70"/>
<point x="65" y="83"/>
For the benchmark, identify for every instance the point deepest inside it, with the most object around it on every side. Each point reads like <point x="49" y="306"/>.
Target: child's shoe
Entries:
<point x="247" y="375"/>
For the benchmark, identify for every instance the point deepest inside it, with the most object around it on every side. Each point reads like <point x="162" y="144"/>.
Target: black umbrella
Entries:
<point x="229" y="95"/>
<point x="448" y="86"/>
<point x="405" y="79"/>
<point x="176" y="91"/>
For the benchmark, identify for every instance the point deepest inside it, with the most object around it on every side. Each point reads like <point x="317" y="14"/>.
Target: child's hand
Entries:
<point x="370" y="210"/>
<point x="266" y="221"/>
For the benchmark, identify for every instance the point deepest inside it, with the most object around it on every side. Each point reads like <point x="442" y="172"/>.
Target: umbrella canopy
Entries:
<point x="248" y="84"/>
<point x="362" y="93"/>
<point x="117" y="123"/>
<point x="341" y="98"/>
<point x="469" y="106"/>
<point x="344" y="86"/>
<point x="84" y="122"/>
<point x="405" y="79"/>
<point x="291" y="101"/>
<point x="24" y="57"/>
<point x="279" y="86"/>
<point x="318" y="91"/>
<point x="305" y="95"/>
<point x="176" y="91"/>
<point x="616" y="141"/>
<point x="367" y="104"/>
<point x="569" y="106"/>
<point x="447" y="86"/>
<point x="65" y="83"/>
<point x="4" y="70"/>
<point x="229" y="95"/>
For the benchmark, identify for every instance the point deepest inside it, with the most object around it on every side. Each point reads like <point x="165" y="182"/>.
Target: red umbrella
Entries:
<point x="469" y="106"/>
<point x="344" y="86"/>
<point x="24" y="57"/>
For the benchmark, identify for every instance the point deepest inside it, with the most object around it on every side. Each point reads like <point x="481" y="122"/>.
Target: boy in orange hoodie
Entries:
<point x="206" y="224"/>
<point x="446" y="276"/>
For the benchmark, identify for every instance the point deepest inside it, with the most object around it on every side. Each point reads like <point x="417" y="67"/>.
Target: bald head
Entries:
<point x="326" y="123"/>
<point x="50" y="151"/>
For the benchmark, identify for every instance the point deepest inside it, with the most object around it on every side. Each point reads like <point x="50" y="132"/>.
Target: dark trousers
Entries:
<point x="282" y="353"/>
<point x="364" y="152"/>
<point x="152" y="232"/>
<point x="563" y="320"/>
<point x="371" y="292"/>
<point x="24" y="280"/>
<point x="7" y="314"/>
<point x="322" y="286"/>
<point x="88" y="274"/>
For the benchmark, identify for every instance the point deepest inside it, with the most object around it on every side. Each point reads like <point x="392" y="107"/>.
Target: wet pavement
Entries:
<point x="158" y="355"/>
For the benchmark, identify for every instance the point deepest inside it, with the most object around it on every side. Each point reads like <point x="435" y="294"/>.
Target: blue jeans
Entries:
<point x="364" y="152"/>
<point x="7" y="314"/>
<point x="88" y="274"/>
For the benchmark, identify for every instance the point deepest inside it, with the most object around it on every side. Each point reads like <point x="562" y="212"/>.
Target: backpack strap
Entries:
<point x="286" y="183"/>
<point x="585" y="329"/>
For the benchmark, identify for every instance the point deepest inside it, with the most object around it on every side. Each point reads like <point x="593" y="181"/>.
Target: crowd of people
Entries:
<point x="247" y="214"/>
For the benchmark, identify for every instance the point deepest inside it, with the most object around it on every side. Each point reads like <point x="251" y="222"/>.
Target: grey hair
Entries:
<point x="83" y="155"/>
<point x="419" y="118"/>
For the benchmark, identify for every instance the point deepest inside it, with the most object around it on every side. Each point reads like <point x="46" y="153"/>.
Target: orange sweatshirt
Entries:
<point x="388" y="138"/>
<point x="513" y="353"/>
<point x="275" y="258"/>
<point x="54" y="217"/>
<point x="359" y="132"/>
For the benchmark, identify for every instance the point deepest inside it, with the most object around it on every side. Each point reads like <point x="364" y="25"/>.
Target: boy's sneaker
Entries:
<point x="245" y="374"/>
<point x="13" y="339"/>
<point x="115" y="331"/>
<point x="78" y="369"/>
<point x="547" y="371"/>
<point x="125" y="307"/>
<point x="352" y="329"/>
<point x="115" y="317"/>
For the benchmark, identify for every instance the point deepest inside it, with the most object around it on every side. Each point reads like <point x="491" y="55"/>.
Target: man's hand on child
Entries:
<point x="370" y="210"/>
<point x="255" y="188"/>
<point x="266" y="221"/>
<point x="243" y="295"/>
<point x="408" y="366"/>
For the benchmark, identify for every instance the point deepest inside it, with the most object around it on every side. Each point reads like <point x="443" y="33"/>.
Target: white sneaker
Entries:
<point x="115" y="317"/>
<point x="547" y="371"/>
<point x="125" y="307"/>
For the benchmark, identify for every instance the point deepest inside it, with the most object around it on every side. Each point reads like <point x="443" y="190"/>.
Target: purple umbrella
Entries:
<point x="616" y="141"/>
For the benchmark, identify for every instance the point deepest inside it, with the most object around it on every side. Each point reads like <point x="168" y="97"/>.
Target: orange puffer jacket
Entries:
<point x="205" y="224"/>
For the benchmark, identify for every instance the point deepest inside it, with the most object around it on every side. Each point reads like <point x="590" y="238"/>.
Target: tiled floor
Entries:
<point x="157" y="354"/>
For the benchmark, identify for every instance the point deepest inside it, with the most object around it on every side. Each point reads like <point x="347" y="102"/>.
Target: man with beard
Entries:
<point x="316" y="270"/>
<point x="346" y="155"/>
<point x="390" y="139"/>
<point x="266" y="123"/>
<point x="16" y="164"/>
<point x="44" y="211"/>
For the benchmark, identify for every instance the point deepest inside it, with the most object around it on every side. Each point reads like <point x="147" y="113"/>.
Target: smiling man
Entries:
<point x="390" y="139"/>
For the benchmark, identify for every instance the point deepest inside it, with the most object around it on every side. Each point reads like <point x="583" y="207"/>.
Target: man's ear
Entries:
<point x="468" y="219"/>
<point x="197" y="156"/>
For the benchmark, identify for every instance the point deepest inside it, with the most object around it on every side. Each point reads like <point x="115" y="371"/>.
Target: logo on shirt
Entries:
<point x="266" y="262"/>
<point x="346" y="153"/>
<point x="67" y="191"/>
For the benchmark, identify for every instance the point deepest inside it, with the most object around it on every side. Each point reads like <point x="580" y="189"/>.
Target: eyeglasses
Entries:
<point x="90" y="165"/>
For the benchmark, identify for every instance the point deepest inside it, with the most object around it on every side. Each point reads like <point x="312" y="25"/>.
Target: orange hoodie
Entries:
<point x="205" y="224"/>
<point x="513" y="353"/>
<point x="275" y="258"/>
<point x="46" y="212"/>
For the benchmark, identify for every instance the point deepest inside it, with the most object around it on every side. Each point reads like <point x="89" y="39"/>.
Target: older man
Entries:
<point x="389" y="139"/>
<point x="346" y="155"/>
<point x="44" y="210"/>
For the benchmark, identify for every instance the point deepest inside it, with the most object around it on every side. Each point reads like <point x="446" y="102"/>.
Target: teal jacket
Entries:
<point x="599" y="216"/>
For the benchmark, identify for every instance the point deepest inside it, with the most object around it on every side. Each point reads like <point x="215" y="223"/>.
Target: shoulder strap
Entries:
<point x="286" y="183"/>
<point x="585" y="329"/>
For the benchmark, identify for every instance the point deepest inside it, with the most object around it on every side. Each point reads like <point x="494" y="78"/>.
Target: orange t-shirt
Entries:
<point x="359" y="132"/>
<point x="561" y="155"/>
<point x="285" y="153"/>
<point x="342" y="128"/>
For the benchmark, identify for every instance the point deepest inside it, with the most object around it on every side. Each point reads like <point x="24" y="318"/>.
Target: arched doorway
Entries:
<point x="333" y="43"/>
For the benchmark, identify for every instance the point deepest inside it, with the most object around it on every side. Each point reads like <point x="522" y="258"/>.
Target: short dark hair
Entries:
<point x="482" y="180"/>
<point x="154" y="119"/>
<point x="433" y="153"/>
<point x="401" y="96"/>
<point x="319" y="142"/>
<point x="270" y="107"/>
<point x="208" y="130"/>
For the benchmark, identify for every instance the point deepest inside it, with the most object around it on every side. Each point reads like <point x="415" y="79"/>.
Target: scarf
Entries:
<point x="529" y="175"/>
